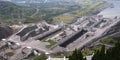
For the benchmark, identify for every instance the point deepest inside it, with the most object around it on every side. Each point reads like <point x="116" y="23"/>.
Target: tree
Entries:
<point x="77" y="55"/>
<point x="41" y="57"/>
<point x="100" y="55"/>
<point x="112" y="53"/>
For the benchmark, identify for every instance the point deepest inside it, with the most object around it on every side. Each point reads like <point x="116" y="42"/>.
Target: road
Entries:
<point x="37" y="11"/>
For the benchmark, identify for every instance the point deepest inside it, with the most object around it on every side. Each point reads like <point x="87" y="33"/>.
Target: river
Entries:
<point x="111" y="12"/>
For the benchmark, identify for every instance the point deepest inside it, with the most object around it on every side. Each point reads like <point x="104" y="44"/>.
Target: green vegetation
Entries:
<point x="112" y="53"/>
<point x="9" y="54"/>
<point x="31" y="13"/>
<point x="10" y="12"/>
<point x="87" y="52"/>
<point x="108" y="41"/>
<point x="48" y="11"/>
<point x="51" y="43"/>
<point x="64" y="18"/>
<point x="100" y="54"/>
<point x="90" y="8"/>
<point x="4" y="47"/>
<point x="41" y="57"/>
<point x="105" y="41"/>
<point x="77" y="55"/>
<point x="90" y="51"/>
<point x="43" y="40"/>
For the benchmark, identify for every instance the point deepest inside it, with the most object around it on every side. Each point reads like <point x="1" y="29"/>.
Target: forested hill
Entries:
<point x="11" y="10"/>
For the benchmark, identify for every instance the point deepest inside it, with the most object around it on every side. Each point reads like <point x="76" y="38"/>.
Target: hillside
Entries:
<point x="10" y="10"/>
<point x="41" y="1"/>
<point x="90" y="7"/>
<point x="27" y="11"/>
<point x="32" y="12"/>
<point x="7" y="8"/>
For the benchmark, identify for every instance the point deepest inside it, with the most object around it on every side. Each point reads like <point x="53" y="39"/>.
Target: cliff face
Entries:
<point x="5" y="32"/>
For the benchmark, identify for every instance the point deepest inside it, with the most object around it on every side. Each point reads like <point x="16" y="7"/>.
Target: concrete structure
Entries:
<point x="68" y="37"/>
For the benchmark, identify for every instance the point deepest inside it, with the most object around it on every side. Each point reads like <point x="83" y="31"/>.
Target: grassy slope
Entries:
<point x="91" y="8"/>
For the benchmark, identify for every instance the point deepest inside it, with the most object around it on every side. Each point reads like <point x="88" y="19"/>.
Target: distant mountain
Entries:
<point x="40" y="1"/>
<point x="47" y="1"/>
<point x="7" y="8"/>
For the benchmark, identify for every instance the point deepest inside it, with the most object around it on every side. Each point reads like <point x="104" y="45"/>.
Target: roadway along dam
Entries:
<point x="46" y="34"/>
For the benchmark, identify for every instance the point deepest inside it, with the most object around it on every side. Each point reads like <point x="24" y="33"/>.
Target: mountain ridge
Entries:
<point x="40" y="1"/>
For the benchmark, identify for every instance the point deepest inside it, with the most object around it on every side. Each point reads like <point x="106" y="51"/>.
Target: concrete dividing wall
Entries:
<point x="31" y="31"/>
<point x="46" y="34"/>
<point x="72" y="38"/>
